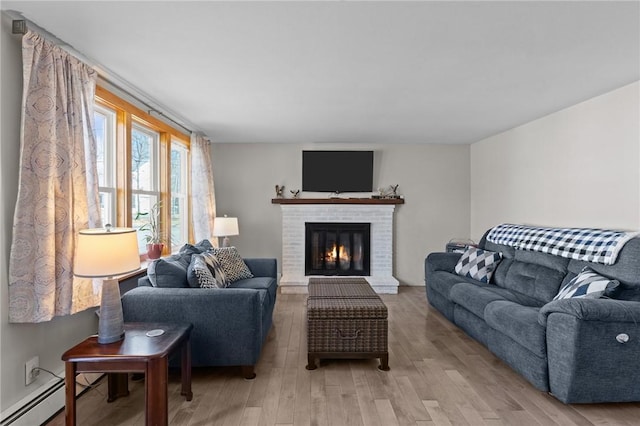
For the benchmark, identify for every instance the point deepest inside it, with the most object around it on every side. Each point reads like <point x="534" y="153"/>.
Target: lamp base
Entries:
<point x="225" y="242"/>
<point x="111" y="323"/>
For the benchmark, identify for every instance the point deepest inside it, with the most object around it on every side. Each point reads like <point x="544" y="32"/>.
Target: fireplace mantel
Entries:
<point x="374" y="201"/>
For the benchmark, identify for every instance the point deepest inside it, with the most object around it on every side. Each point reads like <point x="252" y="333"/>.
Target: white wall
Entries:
<point x="20" y="342"/>
<point x="433" y="178"/>
<point x="579" y="167"/>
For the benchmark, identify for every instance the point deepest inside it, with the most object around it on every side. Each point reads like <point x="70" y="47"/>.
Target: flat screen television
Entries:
<point x="337" y="171"/>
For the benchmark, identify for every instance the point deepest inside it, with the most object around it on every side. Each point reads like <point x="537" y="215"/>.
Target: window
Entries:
<point x="142" y="162"/>
<point x="179" y="192"/>
<point x="104" y="129"/>
<point x="145" y="185"/>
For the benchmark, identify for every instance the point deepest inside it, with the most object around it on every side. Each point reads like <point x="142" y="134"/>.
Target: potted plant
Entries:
<point x="153" y="237"/>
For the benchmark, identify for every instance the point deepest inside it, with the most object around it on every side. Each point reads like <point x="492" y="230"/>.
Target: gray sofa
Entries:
<point x="230" y="324"/>
<point x="572" y="348"/>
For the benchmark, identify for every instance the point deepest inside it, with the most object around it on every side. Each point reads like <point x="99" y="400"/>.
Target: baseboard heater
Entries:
<point x="39" y="406"/>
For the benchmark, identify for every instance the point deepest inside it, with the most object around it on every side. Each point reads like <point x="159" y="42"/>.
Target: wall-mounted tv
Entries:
<point x="337" y="171"/>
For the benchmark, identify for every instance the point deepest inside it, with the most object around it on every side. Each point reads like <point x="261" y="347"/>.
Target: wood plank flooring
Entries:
<point x="439" y="376"/>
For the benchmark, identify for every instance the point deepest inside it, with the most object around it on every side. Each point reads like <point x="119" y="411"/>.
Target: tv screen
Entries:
<point x="337" y="171"/>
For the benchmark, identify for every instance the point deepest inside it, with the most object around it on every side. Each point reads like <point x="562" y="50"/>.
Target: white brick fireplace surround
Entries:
<point x="294" y="217"/>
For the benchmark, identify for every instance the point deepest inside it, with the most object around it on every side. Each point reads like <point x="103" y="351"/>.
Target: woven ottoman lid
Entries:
<point x="334" y="308"/>
<point x="341" y="288"/>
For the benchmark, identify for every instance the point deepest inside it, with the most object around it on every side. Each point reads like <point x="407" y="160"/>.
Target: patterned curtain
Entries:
<point x="203" y="198"/>
<point x="58" y="186"/>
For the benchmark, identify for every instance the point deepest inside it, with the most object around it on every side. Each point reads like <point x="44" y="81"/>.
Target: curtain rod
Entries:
<point x="20" y="25"/>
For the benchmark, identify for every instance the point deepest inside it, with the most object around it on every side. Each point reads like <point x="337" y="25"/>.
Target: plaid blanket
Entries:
<point x="590" y="245"/>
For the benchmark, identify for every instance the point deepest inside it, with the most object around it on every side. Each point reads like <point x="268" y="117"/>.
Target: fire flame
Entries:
<point x="338" y="252"/>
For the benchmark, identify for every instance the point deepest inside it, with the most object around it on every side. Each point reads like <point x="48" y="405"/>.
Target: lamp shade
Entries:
<point x="225" y="226"/>
<point x="106" y="252"/>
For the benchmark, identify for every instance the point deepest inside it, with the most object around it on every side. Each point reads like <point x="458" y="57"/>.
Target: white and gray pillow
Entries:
<point x="587" y="284"/>
<point x="478" y="264"/>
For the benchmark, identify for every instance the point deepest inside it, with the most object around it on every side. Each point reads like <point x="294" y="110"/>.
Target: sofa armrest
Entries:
<point x="262" y="267"/>
<point x="592" y="349"/>
<point x="585" y="309"/>
<point x="441" y="262"/>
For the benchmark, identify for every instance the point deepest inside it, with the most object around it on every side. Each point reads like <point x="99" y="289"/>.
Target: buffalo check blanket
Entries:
<point x="590" y="245"/>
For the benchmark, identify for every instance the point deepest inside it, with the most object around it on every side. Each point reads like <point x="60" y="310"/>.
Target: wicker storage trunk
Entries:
<point x="346" y="320"/>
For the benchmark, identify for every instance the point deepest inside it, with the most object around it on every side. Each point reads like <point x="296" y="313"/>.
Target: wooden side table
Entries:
<point x="137" y="352"/>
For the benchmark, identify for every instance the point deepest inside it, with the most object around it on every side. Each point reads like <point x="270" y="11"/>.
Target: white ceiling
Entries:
<point x="374" y="72"/>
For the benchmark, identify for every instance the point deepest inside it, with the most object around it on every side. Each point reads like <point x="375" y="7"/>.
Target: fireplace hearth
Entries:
<point x="337" y="248"/>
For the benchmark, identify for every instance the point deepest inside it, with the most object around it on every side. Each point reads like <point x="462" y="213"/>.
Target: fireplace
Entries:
<point x="337" y="248"/>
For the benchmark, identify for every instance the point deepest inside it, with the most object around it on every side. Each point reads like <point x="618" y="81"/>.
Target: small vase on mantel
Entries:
<point x="154" y="250"/>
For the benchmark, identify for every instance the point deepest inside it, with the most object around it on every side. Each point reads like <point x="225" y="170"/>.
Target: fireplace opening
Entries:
<point x="337" y="248"/>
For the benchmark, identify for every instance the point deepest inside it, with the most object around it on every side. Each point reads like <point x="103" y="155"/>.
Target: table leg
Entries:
<point x="70" y="393"/>
<point x="155" y="392"/>
<point x="185" y="370"/>
<point x="118" y="386"/>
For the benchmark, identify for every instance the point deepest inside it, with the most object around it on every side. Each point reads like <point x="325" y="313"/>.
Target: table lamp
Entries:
<point x="225" y="226"/>
<point x="105" y="253"/>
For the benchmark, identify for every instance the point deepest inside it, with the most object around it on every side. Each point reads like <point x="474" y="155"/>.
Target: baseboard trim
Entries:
<point x="37" y="407"/>
<point x="45" y="402"/>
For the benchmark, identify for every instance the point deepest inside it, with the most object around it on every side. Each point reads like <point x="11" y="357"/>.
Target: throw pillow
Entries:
<point x="169" y="271"/>
<point x="198" y="273"/>
<point x="201" y="274"/>
<point x="199" y="247"/>
<point x="232" y="264"/>
<point x="478" y="264"/>
<point x="215" y="267"/>
<point x="587" y="283"/>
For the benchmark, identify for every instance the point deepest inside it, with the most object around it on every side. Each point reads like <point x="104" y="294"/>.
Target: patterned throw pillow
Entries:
<point x="232" y="264"/>
<point x="198" y="273"/>
<point x="587" y="283"/>
<point x="205" y="271"/>
<point x="478" y="264"/>
<point x="215" y="267"/>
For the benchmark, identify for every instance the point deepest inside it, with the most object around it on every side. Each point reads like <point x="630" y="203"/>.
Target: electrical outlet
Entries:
<point x="31" y="371"/>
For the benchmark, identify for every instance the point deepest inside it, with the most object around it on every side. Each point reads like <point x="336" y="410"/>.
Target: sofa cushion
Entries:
<point x="518" y="322"/>
<point x="478" y="264"/>
<point x="537" y="275"/>
<point x="442" y="282"/>
<point x="234" y="267"/>
<point x="472" y="297"/>
<point x="170" y="271"/>
<point x="587" y="283"/>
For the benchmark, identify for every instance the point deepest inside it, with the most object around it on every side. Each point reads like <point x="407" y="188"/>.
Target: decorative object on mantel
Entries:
<point x="390" y="192"/>
<point x="224" y="227"/>
<point x="279" y="191"/>
<point x="105" y="253"/>
<point x="296" y="193"/>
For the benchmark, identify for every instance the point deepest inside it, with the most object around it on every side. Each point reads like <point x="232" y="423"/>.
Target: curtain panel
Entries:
<point x="58" y="185"/>
<point x="203" y="199"/>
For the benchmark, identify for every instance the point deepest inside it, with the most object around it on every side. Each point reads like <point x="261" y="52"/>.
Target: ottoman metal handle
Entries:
<point x="342" y="336"/>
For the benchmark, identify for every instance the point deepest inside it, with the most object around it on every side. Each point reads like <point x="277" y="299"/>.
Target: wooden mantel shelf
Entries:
<point x="337" y="201"/>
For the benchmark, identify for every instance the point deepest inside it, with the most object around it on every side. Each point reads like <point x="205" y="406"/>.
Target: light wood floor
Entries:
<point x="438" y="376"/>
